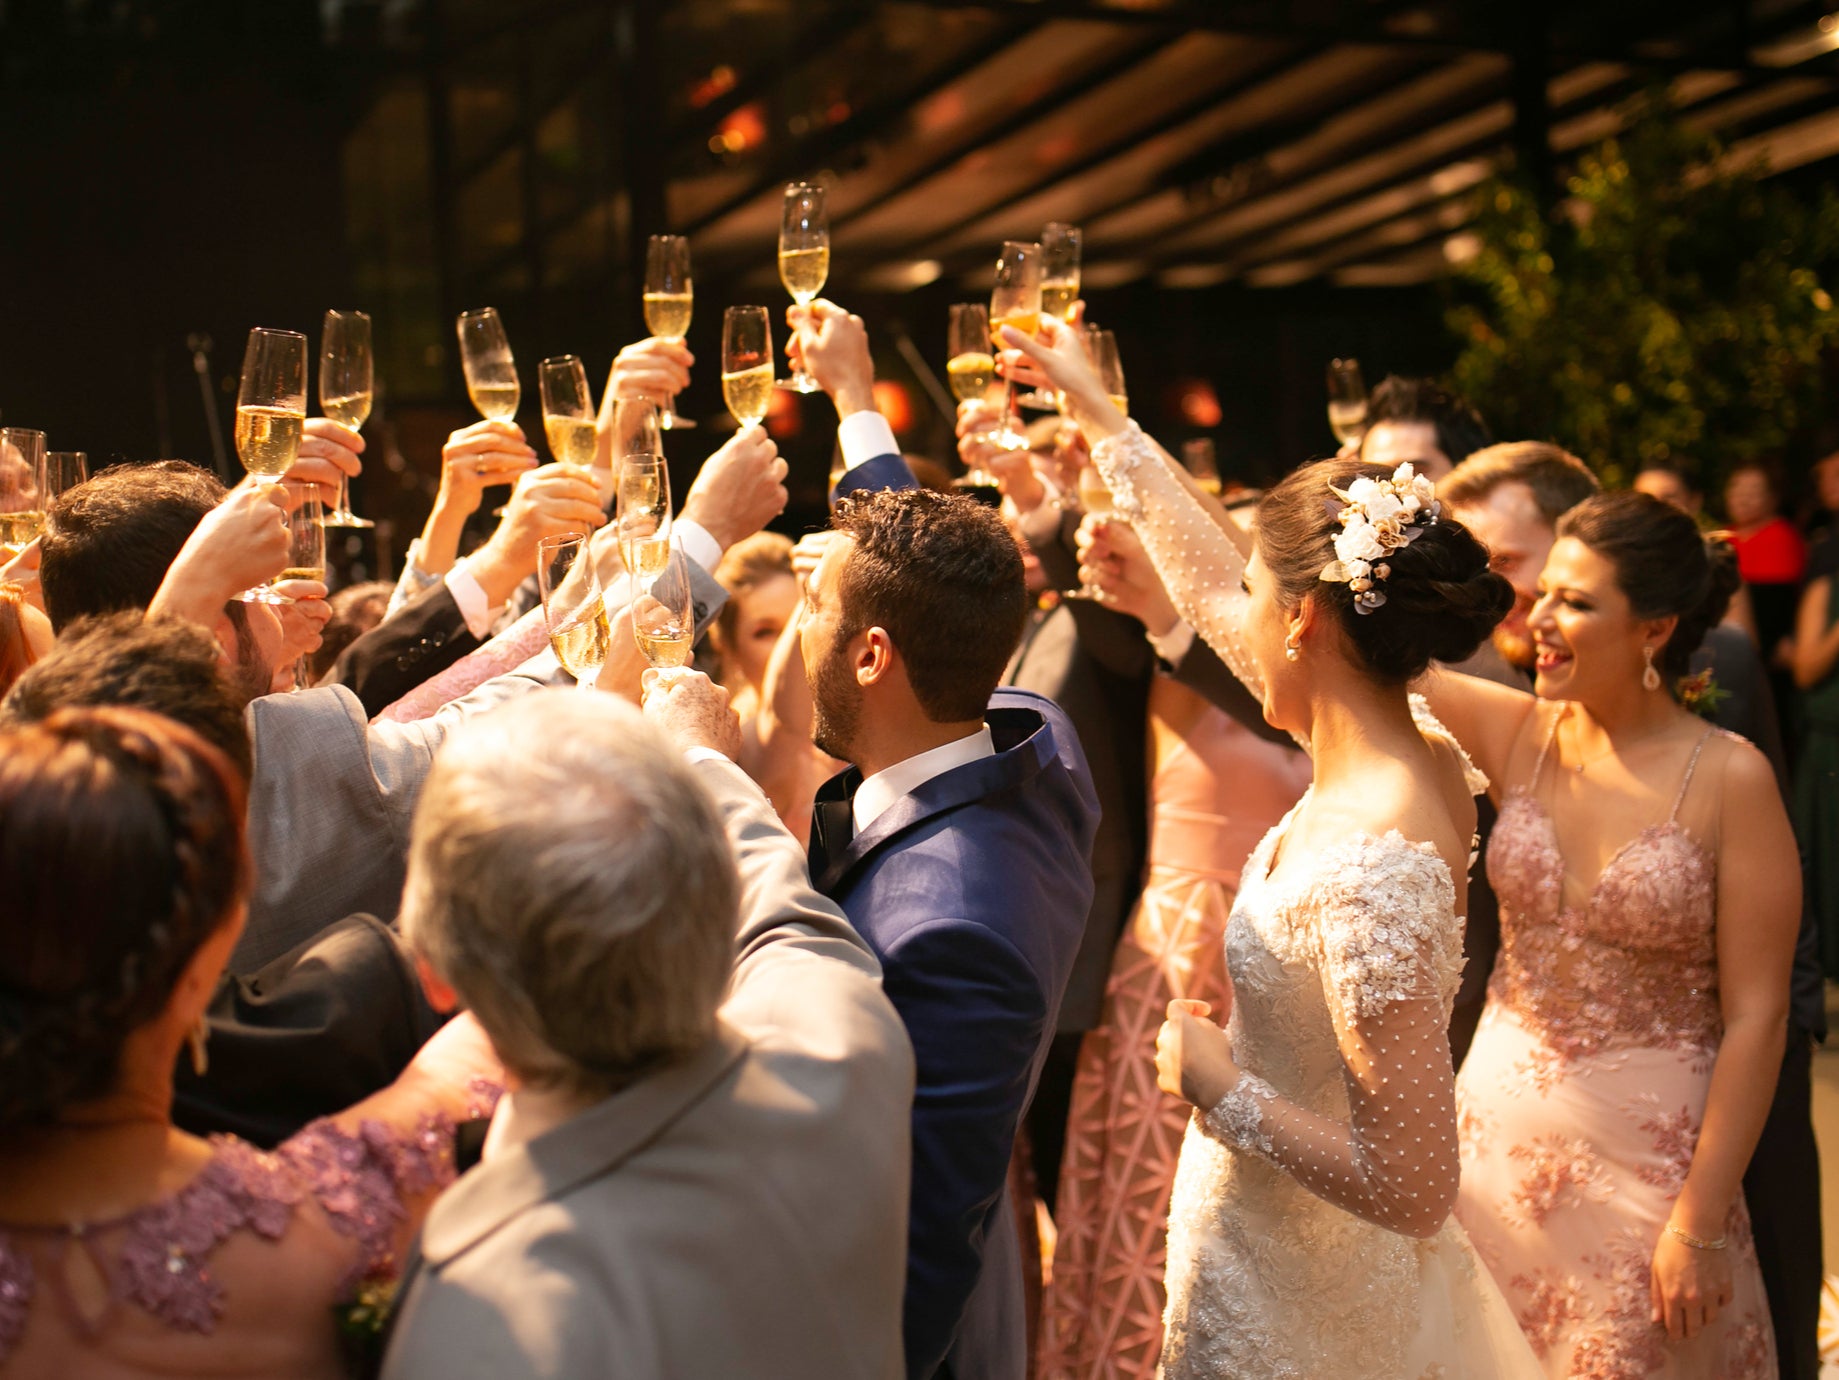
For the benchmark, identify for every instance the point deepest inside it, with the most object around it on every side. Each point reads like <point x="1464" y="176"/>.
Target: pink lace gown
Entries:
<point x="1581" y="1100"/>
<point x="237" y="1273"/>
<point x="1217" y="791"/>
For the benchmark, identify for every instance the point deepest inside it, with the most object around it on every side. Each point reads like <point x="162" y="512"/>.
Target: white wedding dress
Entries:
<point x="1309" y="1234"/>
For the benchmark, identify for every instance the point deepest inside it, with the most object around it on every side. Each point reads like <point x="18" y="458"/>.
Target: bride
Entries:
<point x="1310" y="1232"/>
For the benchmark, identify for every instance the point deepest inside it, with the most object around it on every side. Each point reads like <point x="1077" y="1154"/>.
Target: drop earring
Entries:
<point x="201" y="1057"/>
<point x="1650" y="678"/>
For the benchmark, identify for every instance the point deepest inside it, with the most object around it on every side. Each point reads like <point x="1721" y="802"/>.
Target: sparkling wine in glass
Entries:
<point x="669" y="298"/>
<point x="1059" y="290"/>
<point x="23" y="489"/>
<point x="641" y="515"/>
<point x="804" y="257"/>
<point x="485" y="357"/>
<point x="574" y="608"/>
<point x="971" y="367"/>
<point x="1102" y="347"/>
<point x="664" y="614"/>
<point x="747" y="363"/>
<point x="568" y="411"/>
<point x="270" y="415"/>
<point x="1346" y="400"/>
<point x="345" y="387"/>
<point x="1015" y="301"/>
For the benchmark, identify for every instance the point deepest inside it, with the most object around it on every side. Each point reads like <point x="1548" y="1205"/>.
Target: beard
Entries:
<point x="836" y="707"/>
<point x="1515" y="647"/>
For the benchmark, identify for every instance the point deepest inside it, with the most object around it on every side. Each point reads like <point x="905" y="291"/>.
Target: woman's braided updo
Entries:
<point x="121" y="852"/>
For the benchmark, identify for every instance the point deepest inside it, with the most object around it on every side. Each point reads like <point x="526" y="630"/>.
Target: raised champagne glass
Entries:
<point x="971" y="368"/>
<point x="1060" y="250"/>
<point x="641" y="515"/>
<point x="568" y="411"/>
<point x="64" y="469"/>
<point x="1102" y="347"/>
<point x="664" y="615"/>
<point x="747" y="363"/>
<point x="1346" y="400"/>
<point x="804" y="257"/>
<point x="1015" y="301"/>
<point x="669" y="298"/>
<point x="23" y="489"/>
<point x="270" y="415"/>
<point x="345" y="390"/>
<point x="491" y="373"/>
<point x="306" y="551"/>
<point x="574" y="608"/>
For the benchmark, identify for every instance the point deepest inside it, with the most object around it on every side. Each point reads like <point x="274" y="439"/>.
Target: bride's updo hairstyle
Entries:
<point x="1441" y="599"/>
<point x="1665" y="567"/>
<point x="121" y="852"/>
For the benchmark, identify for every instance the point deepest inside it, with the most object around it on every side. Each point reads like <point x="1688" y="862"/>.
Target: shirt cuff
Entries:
<point x="864" y="435"/>
<point x="698" y="543"/>
<point x="469" y="598"/>
<point x="704" y="754"/>
<point x="1174" y="645"/>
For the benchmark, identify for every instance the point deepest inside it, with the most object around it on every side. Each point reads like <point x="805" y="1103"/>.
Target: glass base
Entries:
<point x="799" y="383"/>
<point x="345" y="520"/>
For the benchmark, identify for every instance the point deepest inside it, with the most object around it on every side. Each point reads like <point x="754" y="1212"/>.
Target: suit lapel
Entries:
<point x="593" y="1143"/>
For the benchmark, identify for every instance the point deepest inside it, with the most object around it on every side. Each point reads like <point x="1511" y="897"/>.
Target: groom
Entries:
<point x="959" y="845"/>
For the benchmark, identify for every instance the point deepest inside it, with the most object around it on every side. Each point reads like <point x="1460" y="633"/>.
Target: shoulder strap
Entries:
<point x="1691" y="766"/>
<point x="1545" y="748"/>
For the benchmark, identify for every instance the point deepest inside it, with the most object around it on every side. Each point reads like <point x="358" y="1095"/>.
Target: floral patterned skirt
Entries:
<point x="1570" y="1169"/>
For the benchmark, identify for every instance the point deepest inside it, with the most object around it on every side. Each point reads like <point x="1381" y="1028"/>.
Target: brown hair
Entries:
<point x="749" y="562"/>
<point x="1665" y="567"/>
<point x="1442" y="601"/>
<point x="1558" y="479"/>
<point x="943" y="575"/>
<point x="121" y="853"/>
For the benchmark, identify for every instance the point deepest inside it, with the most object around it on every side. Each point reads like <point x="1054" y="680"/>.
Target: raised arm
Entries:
<point x="1391" y="953"/>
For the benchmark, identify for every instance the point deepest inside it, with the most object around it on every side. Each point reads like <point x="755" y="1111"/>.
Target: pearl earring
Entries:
<point x="1650" y="678"/>
<point x="1292" y="652"/>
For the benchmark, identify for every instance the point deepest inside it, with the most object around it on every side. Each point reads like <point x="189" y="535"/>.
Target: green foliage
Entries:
<point x="1673" y="306"/>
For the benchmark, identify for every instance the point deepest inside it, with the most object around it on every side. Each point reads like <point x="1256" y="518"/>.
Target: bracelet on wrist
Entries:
<point x="1698" y="1243"/>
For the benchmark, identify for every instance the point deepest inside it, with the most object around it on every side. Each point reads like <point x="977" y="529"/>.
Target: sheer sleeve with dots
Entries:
<point x="1389" y="949"/>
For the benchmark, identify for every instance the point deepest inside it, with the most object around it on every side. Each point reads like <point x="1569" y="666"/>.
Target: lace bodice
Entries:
<point x="1338" y="1147"/>
<point x="1636" y="963"/>
<point x="162" y="1259"/>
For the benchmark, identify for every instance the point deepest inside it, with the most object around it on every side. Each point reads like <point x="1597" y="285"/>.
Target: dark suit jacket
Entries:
<point x="421" y="639"/>
<point x="973" y="892"/>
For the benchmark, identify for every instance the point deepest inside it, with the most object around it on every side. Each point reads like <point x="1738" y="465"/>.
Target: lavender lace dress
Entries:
<point x="235" y="1274"/>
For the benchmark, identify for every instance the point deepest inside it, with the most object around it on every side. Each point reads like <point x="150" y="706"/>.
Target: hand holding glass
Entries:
<point x="270" y="415"/>
<point x="641" y="515"/>
<point x="574" y="609"/>
<point x="1059" y="289"/>
<point x="1015" y="301"/>
<point x="24" y="491"/>
<point x="568" y="411"/>
<point x="804" y="257"/>
<point x="669" y="299"/>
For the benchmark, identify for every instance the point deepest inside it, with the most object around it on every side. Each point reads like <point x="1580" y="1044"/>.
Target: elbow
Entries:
<point x="1422" y="1215"/>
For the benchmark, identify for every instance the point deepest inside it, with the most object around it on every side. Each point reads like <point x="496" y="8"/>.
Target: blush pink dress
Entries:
<point x="1581" y="1100"/>
<point x="1215" y="794"/>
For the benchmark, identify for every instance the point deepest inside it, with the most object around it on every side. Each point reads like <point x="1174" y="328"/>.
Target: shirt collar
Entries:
<point x="878" y="792"/>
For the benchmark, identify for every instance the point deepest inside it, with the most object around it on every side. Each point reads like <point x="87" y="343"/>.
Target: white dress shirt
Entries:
<point x="881" y="791"/>
<point x="861" y="436"/>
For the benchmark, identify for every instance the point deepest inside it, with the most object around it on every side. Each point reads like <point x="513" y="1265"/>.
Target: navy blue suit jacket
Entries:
<point x="973" y="892"/>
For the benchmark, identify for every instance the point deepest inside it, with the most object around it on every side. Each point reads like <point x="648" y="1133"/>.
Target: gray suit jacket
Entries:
<point x="740" y="1213"/>
<point x="330" y="802"/>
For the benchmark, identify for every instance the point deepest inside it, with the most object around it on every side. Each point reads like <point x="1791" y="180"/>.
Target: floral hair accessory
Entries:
<point x="1378" y="517"/>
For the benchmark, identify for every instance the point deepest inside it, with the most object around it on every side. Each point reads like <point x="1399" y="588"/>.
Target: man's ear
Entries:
<point x="875" y="657"/>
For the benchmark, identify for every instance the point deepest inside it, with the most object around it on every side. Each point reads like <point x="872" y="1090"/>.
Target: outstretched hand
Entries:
<point x="739" y="489"/>
<point x="831" y="344"/>
<point x="1120" y="574"/>
<point x="1056" y="358"/>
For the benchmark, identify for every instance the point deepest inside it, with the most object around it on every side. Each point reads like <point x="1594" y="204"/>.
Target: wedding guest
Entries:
<point x="128" y="1248"/>
<point x="356" y="609"/>
<point x="1816" y="775"/>
<point x="1772" y="559"/>
<point x="1671" y="482"/>
<point x="25" y="634"/>
<point x="1418" y="421"/>
<point x="958" y="844"/>
<point x="700" y="1163"/>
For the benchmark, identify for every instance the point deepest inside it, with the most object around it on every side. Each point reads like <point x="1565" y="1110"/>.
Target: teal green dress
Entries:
<point x="1816" y="780"/>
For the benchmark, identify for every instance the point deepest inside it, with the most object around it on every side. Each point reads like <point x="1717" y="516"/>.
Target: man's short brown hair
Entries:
<point x="943" y="576"/>
<point x="1558" y="479"/>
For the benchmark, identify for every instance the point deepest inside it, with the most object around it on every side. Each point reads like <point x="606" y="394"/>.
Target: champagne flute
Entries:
<point x="664" y="614"/>
<point x="971" y="368"/>
<point x="641" y="515"/>
<point x="669" y="297"/>
<point x="568" y="411"/>
<point x="64" y="469"/>
<point x="306" y="551"/>
<point x="1102" y="347"/>
<point x="637" y="429"/>
<point x="747" y="363"/>
<point x="1015" y="301"/>
<point x="574" y="609"/>
<point x="491" y="373"/>
<point x="270" y="412"/>
<point x="1059" y="290"/>
<point x="1346" y="400"/>
<point x="23" y="489"/>
<point x="345" y="387"/>
<point x="1096" y="499"/>
<point x="804" y="258"/>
